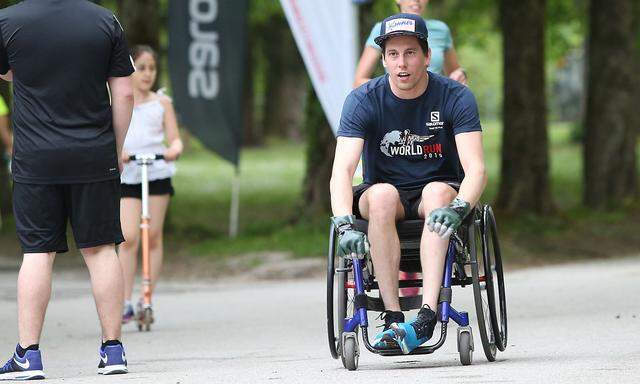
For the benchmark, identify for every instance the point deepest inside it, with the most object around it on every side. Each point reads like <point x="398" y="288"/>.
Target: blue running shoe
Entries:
<point x="28" y="367"/>
<point x="385" y="339"/>
<point x="112" y="360"/>
<point x="410" y="336"/>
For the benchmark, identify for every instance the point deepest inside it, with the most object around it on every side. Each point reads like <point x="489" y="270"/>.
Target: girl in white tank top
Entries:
<point x="153" y="124"/>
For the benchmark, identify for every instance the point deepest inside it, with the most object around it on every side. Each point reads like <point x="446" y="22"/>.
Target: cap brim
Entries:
<point x="382" y="38"/>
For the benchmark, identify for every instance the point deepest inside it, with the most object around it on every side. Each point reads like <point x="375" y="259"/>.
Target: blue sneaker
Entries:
<point x="28" y="367"/>
<point x="410" y="336"/>
<point x="112" y="360"/>
<point x="385" y="340"/>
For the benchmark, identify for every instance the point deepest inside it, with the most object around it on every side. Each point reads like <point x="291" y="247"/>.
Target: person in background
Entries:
<point x="444" y="60"/>
<point x="153" y="123"/>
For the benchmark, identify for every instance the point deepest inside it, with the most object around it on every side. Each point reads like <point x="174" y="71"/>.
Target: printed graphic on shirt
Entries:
<point x="407" y="144"/>
<point x="435" y="122"/>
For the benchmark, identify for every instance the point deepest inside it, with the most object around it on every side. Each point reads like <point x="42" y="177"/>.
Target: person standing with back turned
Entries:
<point x="68" y="136"/>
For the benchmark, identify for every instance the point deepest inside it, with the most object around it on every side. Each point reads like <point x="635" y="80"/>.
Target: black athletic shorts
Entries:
<point x="410" y="199"/>
<point x="41" y="212"/>
<point x="156" y="187"/>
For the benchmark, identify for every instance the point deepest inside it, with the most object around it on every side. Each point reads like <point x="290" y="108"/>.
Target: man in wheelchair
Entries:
<point x="419" y="136"/>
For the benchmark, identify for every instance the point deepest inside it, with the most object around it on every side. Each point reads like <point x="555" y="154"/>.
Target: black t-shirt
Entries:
<point x="62" y="52"/>
<point x="410" y="142"/>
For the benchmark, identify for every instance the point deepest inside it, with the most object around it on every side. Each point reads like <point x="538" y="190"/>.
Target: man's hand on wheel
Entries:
<point x="350" y="240"/>
<point x="444" y="221"/>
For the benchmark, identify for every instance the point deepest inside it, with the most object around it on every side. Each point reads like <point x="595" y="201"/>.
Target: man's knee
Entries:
<point x="383" y="200"/>
<point x="98" y="250"/>
<point x="436" y="195"/>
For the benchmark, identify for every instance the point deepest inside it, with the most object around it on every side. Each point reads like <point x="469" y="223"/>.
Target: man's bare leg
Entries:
<point x="433" y="248"/>
<point x="380" y="204"/>
<point x="34" y="291"/>
<point x="108" y="287"/>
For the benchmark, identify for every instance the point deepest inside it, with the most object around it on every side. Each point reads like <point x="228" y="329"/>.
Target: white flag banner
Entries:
<point x="326" y="34"/>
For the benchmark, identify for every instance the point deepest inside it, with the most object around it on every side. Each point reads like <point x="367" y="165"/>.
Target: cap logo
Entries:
<point x="400" y="25"/>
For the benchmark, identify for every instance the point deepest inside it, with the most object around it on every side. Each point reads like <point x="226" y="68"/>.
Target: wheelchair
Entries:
<point x="473" y="258"/>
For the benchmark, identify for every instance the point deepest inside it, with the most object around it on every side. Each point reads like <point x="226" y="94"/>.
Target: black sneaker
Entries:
<point x="391" y="317"/>
<point x="425" y="322"/>
<point x="383" y="339"/>
<point x="410" y="336"/>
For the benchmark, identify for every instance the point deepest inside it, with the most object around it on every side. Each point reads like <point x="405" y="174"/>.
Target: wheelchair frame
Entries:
<point x="477" y="232"/>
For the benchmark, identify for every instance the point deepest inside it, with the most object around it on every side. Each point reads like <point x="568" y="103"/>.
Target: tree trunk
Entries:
<point x="141" y="22"/>
<point x="610" y="138"/>
<point x="285" y="76"/>
<point x="321" y="146"/>
<point x="140" y="19"/>
<point x="524" y="182"/>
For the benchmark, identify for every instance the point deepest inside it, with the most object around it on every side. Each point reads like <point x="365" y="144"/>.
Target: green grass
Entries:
<point x="270" y="187"/>
<point x="271" y="180"/>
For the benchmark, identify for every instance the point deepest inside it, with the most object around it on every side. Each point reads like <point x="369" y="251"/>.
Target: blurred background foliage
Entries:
<point x="287" y="145"/>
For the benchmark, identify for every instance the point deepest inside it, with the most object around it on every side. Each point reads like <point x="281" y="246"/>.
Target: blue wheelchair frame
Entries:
<point x="446" y="311"/>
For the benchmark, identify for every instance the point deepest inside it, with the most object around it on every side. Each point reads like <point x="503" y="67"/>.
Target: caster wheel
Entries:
<point x="145" y="319"/>
<point x="350" y="353"/>
<point x="465" y="345"/>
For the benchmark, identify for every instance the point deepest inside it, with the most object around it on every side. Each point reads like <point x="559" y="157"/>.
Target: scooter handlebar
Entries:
<point x="146" y="156"/>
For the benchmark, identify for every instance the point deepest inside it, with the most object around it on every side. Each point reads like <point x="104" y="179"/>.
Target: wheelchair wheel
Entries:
<point x="494" y="284"/>
<point x="480" y="292"/>
<point x="337" y="297"/>
<point x="331" y="287"/>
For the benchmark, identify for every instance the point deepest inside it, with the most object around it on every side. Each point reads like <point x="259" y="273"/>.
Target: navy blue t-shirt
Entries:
<point x="410" y="142"/>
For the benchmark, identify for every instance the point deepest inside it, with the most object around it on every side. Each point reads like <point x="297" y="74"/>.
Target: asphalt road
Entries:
<point x="574" y="323"/>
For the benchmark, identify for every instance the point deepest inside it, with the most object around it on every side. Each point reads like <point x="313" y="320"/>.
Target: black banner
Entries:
<point x="207" y="40"/>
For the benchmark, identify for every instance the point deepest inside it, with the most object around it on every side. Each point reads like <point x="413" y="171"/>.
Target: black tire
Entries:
<point x="495" y="284"/>
<point x="331" y="269"/>
<point x="480" y="293"/>
<point x="350" y="354"/>
<point x="464" y="348"/>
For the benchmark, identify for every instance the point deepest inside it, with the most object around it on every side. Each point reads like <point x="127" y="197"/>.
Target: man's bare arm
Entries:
<point x="121" y="109"/>
<point x="345" y="162"/>
<point x="472" y="159"/>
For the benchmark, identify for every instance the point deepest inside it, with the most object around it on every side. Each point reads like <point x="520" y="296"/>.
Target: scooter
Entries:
<point x="144" y="314"/>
